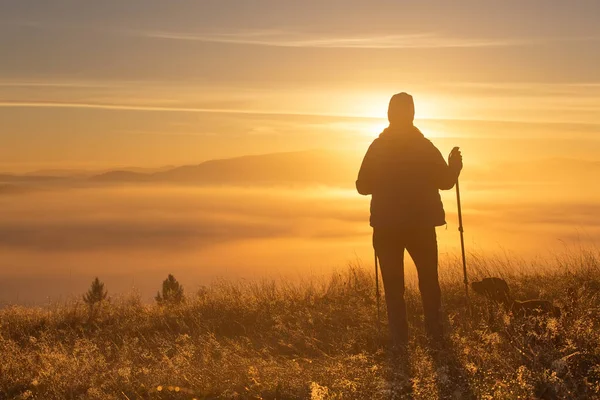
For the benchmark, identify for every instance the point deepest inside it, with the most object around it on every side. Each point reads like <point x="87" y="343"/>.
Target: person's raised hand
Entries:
<point x="455" y="159"/>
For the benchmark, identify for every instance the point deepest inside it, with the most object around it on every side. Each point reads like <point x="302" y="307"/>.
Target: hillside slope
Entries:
<point x="316" y="340"/>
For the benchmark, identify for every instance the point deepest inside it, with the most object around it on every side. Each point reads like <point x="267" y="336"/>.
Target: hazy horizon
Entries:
<point x="55" y="237"/>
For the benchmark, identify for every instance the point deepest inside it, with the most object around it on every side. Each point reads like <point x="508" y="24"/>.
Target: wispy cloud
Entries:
<point x="275" y="38"/>
<point x="573" y="120"/>
<point x="529" y="86"/>
<point x="132" y="107"/>
<point x="84" y="84"/>
<point x="57" y="84"/>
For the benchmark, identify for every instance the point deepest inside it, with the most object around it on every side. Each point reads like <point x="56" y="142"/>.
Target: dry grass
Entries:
<point x="314" y="340"/>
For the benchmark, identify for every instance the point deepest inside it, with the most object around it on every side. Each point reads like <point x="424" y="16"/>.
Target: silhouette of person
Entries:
<point x="404" y="171"/>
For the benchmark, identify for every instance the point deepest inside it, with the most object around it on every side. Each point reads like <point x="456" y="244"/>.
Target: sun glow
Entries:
<point x="374" y="110"/>
<point x="376" y="107"/>
<point x="374" y="127"/>
<point x="426" y="108"/>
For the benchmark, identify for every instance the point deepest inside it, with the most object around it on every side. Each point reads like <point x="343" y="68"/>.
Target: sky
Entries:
<point x="92" y="85"/>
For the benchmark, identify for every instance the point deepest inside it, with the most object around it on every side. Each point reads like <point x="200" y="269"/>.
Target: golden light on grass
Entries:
<point x="326" y="343"/>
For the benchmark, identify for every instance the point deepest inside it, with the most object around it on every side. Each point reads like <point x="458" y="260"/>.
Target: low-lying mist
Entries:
<point x="56" y="240"/>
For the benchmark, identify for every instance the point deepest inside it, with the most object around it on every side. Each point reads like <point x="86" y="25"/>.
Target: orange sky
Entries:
<point x="91" y="86"/>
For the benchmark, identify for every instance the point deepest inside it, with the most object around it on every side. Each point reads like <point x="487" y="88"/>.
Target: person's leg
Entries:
<point x="389" y="247"/>
<point x="422" y="247"/>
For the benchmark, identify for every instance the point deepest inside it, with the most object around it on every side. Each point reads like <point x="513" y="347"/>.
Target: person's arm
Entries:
<point x="366" y="175"/>
<point x="446" y="175"/>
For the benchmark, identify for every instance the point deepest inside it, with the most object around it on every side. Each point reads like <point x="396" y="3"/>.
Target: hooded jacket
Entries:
<point x="404" y="171"/>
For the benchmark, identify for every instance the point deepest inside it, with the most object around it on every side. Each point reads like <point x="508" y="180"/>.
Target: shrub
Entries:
<point x="96" y="294"/>
<point x="172" y="292"/>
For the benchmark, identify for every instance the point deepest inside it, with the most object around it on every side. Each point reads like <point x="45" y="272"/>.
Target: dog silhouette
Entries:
<point x="496" y="290"/>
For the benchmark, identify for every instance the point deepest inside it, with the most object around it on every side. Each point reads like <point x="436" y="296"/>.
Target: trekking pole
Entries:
<point x="377" y="294"/>
<point x="462" y="245"/>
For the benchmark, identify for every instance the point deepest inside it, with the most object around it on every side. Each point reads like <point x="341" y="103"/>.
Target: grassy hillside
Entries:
<point x="316" y="340"/>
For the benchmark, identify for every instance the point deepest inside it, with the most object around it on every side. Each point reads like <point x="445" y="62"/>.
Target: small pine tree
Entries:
<point x="96" y="294"/>
<point x="172" y="292"/>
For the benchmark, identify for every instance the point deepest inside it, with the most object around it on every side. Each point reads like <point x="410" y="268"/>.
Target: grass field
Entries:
<point x="312" y="340"/>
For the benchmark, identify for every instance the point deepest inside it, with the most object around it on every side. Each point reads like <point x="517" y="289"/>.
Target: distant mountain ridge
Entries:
<point x="85" y="173"/>
<point x="121" y="176"/>
<point x="303" y="167"/>
<point x="313" y="167"/>
<point x="13" y="178"/>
